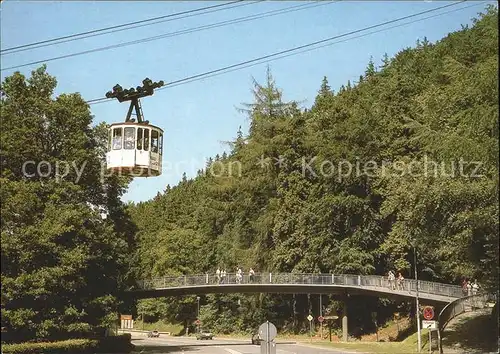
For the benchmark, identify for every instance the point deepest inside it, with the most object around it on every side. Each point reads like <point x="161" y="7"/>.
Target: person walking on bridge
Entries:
<point x="401" y="281"/>
<point x="239" y="275"/>
<point x="223" y="276"/>
<point x="251" y="274"/>
<point x="217" y="275"/>
<point x="391" y="278"/>
<point x="464" y="287"/>
<point x="475" y="287"/>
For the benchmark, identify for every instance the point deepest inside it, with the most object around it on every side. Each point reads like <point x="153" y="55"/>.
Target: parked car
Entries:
<point x="153" y="334"/>
<point x="204" y="334"/>
<point x="256" y="339"/>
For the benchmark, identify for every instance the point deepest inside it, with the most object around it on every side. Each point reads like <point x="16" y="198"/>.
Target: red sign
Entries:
<point x="428" y="313"/>
<point x="321" y="319"/>
<point x="197" y="322"/>
<point x="125" y="317"/>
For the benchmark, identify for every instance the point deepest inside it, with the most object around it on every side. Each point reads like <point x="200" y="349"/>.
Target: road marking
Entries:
<point x="284" y="351"/>
<point x="231" y="350"/>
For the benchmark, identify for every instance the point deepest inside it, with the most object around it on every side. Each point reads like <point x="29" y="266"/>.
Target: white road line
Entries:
<point x="284" y="351"/>
<point x="230" y="350"/>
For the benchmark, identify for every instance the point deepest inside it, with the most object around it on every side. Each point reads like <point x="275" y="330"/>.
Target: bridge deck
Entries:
<point x="298" y="283"/>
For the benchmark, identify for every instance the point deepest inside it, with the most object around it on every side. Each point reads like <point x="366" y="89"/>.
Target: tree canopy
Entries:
<point x="63" y="261"/>
<point x="405" y="158"/>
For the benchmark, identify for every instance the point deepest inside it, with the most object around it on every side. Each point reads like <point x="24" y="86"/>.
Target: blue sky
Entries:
<point x="198" y="116"/>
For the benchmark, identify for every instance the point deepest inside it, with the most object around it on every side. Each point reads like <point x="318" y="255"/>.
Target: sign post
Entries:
<point x="374" y="319"/>
<point x="321" y="315"/>
<point x="126" y="322"/>
<point x="320" y="320"/>
<point x="267" y="332"/>
<point x="330" y="319"/>
<point x="428" y="312"/>
<point x="429" y="324"/>
<point x="310" y="318"/>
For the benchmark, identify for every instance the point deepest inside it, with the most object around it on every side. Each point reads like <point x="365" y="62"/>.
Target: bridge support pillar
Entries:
<point x="345" y="332"/>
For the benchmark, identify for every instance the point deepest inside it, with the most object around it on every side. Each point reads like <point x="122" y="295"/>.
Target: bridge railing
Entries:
<point x="408" y="285"/>
<point x="462" y="305"/>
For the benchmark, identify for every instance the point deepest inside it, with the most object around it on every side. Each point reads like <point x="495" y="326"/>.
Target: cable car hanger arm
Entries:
<point x="133" y="95"/>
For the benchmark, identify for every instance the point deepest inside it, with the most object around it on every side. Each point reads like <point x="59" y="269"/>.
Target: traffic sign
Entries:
<point x="310" y="318"/>
<point x="429" y="324"/>
<point x="428" y="312"/>
<point x="267" y="331"/>
<point x="197" y="322"/>
<point x="321" y="319"/>
<point x="331" y="317"/>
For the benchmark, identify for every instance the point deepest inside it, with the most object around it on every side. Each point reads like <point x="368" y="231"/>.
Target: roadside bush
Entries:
<point x="115" y="344"/>
<point x="112" y="344"/>
<point x="66" y="346"/>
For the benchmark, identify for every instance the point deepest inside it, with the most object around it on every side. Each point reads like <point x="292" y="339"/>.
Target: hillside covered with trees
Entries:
<point x="414" y="149"/>
<point x="420" y="134"/>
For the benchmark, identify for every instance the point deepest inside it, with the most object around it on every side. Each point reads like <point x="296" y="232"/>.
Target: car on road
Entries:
<point x="153" y="334"/>
<point x="256" y="339"/>
<point x="204" y="334"/>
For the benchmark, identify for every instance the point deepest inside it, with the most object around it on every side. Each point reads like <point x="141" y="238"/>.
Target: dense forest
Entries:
<point x="405" y="158"/>
<point x="63" y="263"/>
<point x="423" y="131"/>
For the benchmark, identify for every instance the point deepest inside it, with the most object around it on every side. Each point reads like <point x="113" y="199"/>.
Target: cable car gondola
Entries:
<point x="134" y="148"/>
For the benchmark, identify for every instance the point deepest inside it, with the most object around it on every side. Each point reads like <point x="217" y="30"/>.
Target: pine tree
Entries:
<point x="324" y="97"/>
<point x="325" y="88"/>
<point x="268" y="104"/>
<point x="370" y="70"/>
<point x="385" y="61"/>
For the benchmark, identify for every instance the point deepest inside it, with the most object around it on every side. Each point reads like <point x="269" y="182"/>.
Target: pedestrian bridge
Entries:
<point x="293" y="283"/>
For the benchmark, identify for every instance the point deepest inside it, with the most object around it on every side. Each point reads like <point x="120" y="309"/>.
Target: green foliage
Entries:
<point x="405" y="160"/>
<point x="67" y="346"/>
<point x="436" y="103"/>
<point x="113" y="344"/>
<point x="62" y="263"/>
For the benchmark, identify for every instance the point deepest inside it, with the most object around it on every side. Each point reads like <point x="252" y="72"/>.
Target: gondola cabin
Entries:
<point x="135" y="149"/>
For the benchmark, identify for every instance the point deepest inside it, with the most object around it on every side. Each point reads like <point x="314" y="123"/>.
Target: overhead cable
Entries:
<point x="169" y="85"/>
<point x="131" y="25"/>
<point x="181" y="32"/>
<point x="298" y="50"/>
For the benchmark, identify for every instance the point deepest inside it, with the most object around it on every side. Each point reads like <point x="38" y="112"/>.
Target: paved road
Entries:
<point x="169" y="345"/>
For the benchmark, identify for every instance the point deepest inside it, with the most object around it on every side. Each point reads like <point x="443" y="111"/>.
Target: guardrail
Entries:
<point x="410" y="285"/>
<point x="462" y="305"/>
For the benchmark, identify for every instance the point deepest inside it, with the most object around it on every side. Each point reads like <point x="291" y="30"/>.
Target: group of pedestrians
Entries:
<point x="221" y="276"/>
<point x="469" y="288"/>
<point x="396" y="283"/>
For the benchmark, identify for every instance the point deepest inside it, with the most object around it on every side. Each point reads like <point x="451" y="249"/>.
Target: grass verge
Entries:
<point x="409" y="345"/>
<point x="160" y="326"/>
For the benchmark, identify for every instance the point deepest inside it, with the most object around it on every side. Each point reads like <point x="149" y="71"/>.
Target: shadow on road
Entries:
<point x="159" y="349"/>
<point x="176" y="348"/>
<point x="475" y="335"/>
